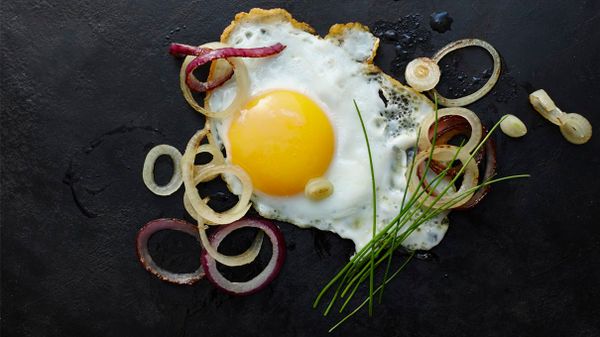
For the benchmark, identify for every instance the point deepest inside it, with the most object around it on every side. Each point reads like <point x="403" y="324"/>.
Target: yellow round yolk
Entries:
<point x="282" y="139"/>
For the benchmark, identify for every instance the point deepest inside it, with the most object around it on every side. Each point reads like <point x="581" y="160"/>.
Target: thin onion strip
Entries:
<point x="466" y="100"/>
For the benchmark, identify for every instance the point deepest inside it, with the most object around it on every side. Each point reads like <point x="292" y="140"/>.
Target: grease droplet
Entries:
<point x="440" y="22"/>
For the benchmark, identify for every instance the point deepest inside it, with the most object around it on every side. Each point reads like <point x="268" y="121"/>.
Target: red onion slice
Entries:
<point x="144" y="235"/>
<point x="221" y="53"/>
<point x="259" y="281"/>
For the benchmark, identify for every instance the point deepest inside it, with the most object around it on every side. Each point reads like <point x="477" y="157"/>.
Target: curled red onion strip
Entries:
<point x="261" y="280"/>
<point x="221" y="53"/>
<point x="148" y="263"/>
<point x="181" y="50"/>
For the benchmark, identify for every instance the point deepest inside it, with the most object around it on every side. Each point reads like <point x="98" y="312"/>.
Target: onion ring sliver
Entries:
<point x="261" y="280"/>
<point x="148" y="170"/>
<point x="466" y="100"/>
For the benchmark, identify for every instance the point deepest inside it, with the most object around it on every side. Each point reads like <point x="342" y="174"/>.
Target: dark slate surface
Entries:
<point x="88" y="88"/>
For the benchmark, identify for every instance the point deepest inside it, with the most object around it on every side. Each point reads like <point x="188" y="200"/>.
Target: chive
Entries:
<point x="413" y="213"/>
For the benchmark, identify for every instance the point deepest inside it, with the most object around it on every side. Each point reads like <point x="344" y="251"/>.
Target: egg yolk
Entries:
<point x="282" y="139"/>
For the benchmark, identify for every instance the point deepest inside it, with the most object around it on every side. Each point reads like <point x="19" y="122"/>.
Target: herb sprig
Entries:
<point x="413" y="213"/>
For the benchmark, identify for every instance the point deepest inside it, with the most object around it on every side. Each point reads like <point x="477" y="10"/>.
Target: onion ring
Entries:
<point x="191" y="177"/>
<point x="425" y="137"/>
<point x="148" y="170"/>
<point x="241" y="78"/>
<point x="261" y="280"/>
<point x="466" y="100"/>
<point x="445" y="153"/>
<point x="148" y="263"/>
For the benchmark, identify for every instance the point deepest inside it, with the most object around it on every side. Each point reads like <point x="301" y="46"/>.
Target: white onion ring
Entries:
<point x="424" y="142"/>
<point x="241" y="79"/>
<point x="445" y="153"/>
<point x="466" y="100"/>
<point x="148" y="263"/>
<point x="261" y="280"/>
<point x="191" y="177"/>
<point x="148" y="170"/>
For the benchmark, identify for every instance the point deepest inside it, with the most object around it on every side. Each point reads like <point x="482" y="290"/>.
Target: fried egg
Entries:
<point x="300" y="123"/>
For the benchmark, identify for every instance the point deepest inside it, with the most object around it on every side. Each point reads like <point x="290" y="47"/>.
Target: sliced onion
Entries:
<point x="148" y="170"/>
<point x="191" y="177"/>
<point x="261" y="280"/>
<point x="144" y="235"/>
<point x="445" y="153"/>
<point x="466" y="100"/>
<point x="444" y="126"/>
<point x="241" y="79"/>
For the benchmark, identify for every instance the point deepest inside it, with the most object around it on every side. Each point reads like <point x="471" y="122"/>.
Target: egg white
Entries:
<point x="333" y="72"/>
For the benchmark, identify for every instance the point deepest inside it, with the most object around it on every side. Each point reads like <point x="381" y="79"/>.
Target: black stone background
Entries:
<point x="88" y="88"/>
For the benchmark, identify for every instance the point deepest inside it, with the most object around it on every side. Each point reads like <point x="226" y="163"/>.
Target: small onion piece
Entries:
<point x="191" y="177"/>
<point x="425" y="137"/>
<point x="576" y="128"/>
<point x="241" y="78"/>
<point x="148" y="263"/>
<point x="445" y="153"/>
<point x="544" y="105"/>
<point x="318" y="189"/>
<point x="512" y="126"/>
<point x="261" y="280"/>
<point x="466" y="100"/>
<point x="422" y="74"/>
<point x="148" y="170"/>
